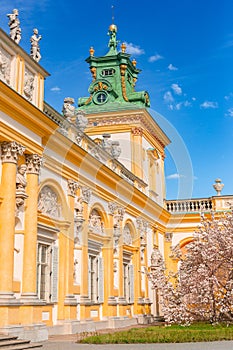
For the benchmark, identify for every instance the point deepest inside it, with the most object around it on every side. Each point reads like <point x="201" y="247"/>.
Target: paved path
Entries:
<point x="70" y="345"/>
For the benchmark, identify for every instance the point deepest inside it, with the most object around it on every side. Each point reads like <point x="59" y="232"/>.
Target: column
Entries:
<point x="33" y="162"/>
<point x="9" y="156"/>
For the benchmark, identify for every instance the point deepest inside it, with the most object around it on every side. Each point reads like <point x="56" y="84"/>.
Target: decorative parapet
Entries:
<point x="198" y="205"/>
<point x="189" y="205"/>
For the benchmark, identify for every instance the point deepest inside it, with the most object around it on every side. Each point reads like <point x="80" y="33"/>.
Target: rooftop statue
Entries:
<point x="113" y="42"/>
<point x="15" y="30"/>
<point x="35" y="48"/>
<point x="68" y="108"/>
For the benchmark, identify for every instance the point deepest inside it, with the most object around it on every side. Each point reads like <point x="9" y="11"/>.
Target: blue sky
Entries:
<point x="185" y="51"/>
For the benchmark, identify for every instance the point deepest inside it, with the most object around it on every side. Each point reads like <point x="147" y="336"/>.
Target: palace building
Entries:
<point x="82" y="199"/>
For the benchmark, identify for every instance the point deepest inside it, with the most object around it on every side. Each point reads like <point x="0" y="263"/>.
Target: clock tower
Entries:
<point x="114" y="79"/>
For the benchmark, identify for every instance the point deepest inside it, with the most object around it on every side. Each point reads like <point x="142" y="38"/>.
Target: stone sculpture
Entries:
<point x="21" y="184"/>
<point x="68" y="108"/>
<point x="15" y="30"/>
<point x="35" y="48"/>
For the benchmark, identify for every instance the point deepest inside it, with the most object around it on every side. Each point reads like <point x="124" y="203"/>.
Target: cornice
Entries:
<point x="132" y="117"/>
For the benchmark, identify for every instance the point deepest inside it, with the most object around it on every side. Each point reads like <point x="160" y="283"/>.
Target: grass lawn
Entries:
<point x="162" y="334"/>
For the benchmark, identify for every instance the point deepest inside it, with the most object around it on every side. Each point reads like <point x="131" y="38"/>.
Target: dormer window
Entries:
<point x="108" y="72"/>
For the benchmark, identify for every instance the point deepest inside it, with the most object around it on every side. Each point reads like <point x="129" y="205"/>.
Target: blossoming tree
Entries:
<point x="203" y="287"/>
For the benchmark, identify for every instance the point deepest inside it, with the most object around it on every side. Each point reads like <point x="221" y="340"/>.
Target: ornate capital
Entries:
<point x="86" y="194"/>
<point x="33" y="162"/>
<point x="168" y="236"/>
<point x="11" y="151"/>
<point x="112" y="206"/>
<point x="136" y="131"/>
<point x="72" y="187"/>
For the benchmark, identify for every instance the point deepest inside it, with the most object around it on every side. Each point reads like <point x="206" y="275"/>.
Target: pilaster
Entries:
<point x="136" y="143"/>
<point x="70" y="302"/>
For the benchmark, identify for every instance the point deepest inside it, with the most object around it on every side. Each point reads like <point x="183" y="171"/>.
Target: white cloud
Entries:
<point x="168" y="97"/>
<point x="55" y="89"/>
<point x="171" y="67"/>
<point x="134" y="49"/>
<point x="209" y="104"/>
<point x="229" y="112"/>
<point x="177" y="89"/>
<point x="227" y="97"/>
<point x="194" y="98"/>
<point x="175" y="176"/>
<point x="183" y="103"/>
<point x="187" y="103"/>
<point x="154" y="58"/>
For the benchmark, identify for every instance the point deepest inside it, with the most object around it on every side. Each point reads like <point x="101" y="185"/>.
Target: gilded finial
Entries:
<point x="134" y="62"/>
<point x="123" y="47"/>
<point x="92" y="51"/>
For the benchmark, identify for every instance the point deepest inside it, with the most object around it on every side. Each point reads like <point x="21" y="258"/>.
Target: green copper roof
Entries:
<point x="114" y="79"/>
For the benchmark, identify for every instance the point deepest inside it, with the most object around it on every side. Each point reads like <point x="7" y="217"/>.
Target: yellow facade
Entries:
<point x="77" y="227"/>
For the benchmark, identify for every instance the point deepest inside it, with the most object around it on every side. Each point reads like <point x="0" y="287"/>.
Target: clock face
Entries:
<point x="101" y="97"/>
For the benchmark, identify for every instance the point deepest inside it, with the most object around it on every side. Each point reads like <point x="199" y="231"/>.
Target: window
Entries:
<point x="95" y="273"/>
<point x="47" y="262"/>
<point x="128" y="278"/>
<point x="43" y="271"/>
<point x="108" y="72"/>
<point x="93" y="278"/>
<point x="101" y="97"/>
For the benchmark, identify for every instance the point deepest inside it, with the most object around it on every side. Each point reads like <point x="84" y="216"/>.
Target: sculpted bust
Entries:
<point x="21" y="182"/>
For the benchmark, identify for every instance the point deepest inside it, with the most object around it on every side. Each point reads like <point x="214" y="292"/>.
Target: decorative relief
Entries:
<point x="127" y="238"/>
<point x="33" y="162"/>
<point x="48" y="203"/>
<point x="137" y="131"/>
<point x="96" y="224"/>
<point x="29" y="85"/>
<point x="72" y="187"/>
<point x="5" y="65"/>
<point x="11" y="151"/>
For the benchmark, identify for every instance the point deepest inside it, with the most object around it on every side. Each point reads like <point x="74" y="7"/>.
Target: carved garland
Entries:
<point x="123" y="69"/>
